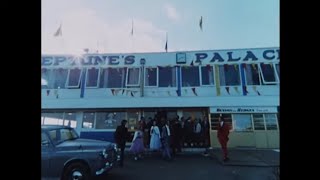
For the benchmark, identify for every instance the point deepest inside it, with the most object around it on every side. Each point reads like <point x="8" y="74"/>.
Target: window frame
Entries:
<point x="87" y="76"/>
<point x="239" y="75"/>
<point x="145" y="75"/>
<point x="67" y="83"/>
<point x="274" y="72"/>
<point x="127" y="78"/>
<point x="264" y="123"/>
<point x="94" y="121"/>
<point x="213" y="73"/>
<point x="50" y="71"/>
<point x="109" y="69"/>
<point x="277" y="123"/>
<point x="54" y="77"/>
<point x="233" y="123"/>
<point x="224" y="114"/>
<point x="199" y="76"/>
<point x="175" y="74"/>
<point x="245" y="75"/>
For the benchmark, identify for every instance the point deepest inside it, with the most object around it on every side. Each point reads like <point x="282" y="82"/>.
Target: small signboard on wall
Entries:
<point x="181" y="58"/>
<point x="243" y="110"/>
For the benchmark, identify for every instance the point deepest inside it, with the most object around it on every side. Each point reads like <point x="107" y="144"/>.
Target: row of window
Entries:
<point x="99" y="120"/>
<point x="247" y="122"/>
<point x="110" y="120"/>
<point x="192" y="76"/>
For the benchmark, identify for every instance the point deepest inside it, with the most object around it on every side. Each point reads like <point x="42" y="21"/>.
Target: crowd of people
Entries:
<point x="169" y="136"/>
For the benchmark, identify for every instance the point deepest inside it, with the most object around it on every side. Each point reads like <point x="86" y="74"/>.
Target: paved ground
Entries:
<point x="249" y="164"/>
<point x="194" y="166"/>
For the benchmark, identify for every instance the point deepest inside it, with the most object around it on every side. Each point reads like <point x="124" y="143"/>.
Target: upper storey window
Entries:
<point x="133" y="77"/>
<point x="92" y="77"/>
<point x="268" y="73"/>
<point x="74" y="78"/>
<point x="190" y="76"/>
<point x="113" y="78"/>
<point x="167" y="77"/>
<point x="229" y="75"/>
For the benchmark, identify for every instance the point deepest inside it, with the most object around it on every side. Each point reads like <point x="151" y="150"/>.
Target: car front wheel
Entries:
<point x="76" y="171"/>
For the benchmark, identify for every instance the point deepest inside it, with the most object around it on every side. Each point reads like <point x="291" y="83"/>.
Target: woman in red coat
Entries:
<point x="223" y="133"/>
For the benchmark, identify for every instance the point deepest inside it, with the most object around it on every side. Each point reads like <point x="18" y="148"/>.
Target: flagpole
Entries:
<point x="97" y="46"/>
<point x="166" y="46"/>
<point x="132" y="40"/>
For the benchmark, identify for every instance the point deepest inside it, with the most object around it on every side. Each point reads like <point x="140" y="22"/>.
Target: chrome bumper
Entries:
<point x="106" y="168"/>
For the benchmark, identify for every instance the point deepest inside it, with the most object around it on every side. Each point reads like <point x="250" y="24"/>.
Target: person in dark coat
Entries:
<point x="223" y="137"/>
<point x="206" y="134"/>
<point x="121" y="136"/>
<point x="176" y="137"/>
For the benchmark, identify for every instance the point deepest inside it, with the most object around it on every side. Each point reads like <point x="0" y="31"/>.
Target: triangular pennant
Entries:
<point x="194" y="91"/>
<point x="117" y="91"/>
<point x="191" y="63"/>
<point x="245" y="90"/>
<point x="112" y="91"/>
<point x="254" y="88"/>
<point x="208" y="67"/>
<point x="59" y="31"/>
<point x="123" y="91"/>
<point x="48" y="92"/>
<point x="258" y="93"/>
<point x="254" y="67"/>
<point x="235" y="67"/>
<point x="227" y="89"/>
<point x="177" y="91"/>
<point x="132" y="94"/>
<point x="236" y="89"/>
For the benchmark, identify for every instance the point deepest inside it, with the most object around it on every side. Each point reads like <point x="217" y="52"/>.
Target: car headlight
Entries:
<point x="115" y="147"/>
<point x="104" y="153"/>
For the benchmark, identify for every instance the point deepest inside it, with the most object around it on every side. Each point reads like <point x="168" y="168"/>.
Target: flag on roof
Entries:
<point x="58" y="32"/>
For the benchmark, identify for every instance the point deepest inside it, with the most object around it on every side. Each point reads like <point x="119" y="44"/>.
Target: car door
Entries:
<point x="46" y="150"/>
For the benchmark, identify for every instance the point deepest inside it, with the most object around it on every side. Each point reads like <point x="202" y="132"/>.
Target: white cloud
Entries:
<point x="171" y="12"/>
<point x="84" y="28"/>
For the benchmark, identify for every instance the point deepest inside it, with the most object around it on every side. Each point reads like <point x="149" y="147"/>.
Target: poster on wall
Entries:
<point x="132" y="123"/>
<point x="110" y="121"/>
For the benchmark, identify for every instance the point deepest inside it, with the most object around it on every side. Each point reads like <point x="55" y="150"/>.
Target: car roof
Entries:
<point x="51" y="127"/>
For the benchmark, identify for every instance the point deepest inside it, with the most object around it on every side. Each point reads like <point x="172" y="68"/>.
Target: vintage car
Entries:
<point x="66" y="156"/>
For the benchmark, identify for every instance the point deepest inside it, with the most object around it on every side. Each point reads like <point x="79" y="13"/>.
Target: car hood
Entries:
<point x="84" y="144"/>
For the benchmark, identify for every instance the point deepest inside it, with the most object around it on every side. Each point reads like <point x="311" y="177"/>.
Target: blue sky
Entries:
<point x="105" y="25"/>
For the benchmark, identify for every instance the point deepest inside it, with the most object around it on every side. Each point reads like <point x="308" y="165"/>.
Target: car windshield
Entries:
<point x="60" y="135"/>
